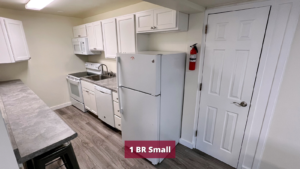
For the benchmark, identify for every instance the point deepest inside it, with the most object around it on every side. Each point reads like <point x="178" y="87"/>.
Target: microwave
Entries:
<point x="81" y="47"/>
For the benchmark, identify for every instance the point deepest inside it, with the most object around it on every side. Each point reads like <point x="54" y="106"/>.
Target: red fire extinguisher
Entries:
<point x="193" y="57"/>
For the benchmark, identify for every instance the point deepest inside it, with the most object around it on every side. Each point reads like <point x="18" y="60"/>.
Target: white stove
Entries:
<point x="74" y="83"/>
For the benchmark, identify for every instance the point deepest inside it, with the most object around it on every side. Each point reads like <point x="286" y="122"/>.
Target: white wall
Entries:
<point x="181" y="41"/>
<point x="283" y="142"/>
<point x="49" y="40"/>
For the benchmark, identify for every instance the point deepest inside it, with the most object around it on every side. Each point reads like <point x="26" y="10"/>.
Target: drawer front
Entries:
<point x="118" y="122"/>
<point x="115" y="96"/>
<point x="88" y="85"/>
<point x="117" y="109"/>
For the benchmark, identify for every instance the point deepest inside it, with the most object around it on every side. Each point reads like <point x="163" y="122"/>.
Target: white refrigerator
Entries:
<point x="151" y="89"/>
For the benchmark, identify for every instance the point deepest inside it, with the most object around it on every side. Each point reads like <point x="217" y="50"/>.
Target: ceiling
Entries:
<point x="73" y="8"/>
<point x="87" y="8"/>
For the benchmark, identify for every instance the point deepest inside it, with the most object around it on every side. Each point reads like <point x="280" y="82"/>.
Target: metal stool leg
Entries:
<point x="71" y="158"/>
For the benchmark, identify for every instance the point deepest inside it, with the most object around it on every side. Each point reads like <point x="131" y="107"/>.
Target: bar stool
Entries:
<point x="65" y="152"/>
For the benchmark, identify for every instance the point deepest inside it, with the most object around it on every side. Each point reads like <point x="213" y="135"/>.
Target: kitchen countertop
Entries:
<point x="33" y="127"/>
<point x="110" y="83"/>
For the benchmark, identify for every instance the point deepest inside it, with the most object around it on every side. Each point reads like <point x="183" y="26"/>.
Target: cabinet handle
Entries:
<point x="118" y="110"/>
<point x="79" y="35"/>
<point x="119" y="124"/>
<point x="117" y="98"/>
<point x="154" y="27"/>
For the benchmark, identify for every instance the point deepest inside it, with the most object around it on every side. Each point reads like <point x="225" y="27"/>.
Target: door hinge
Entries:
<point x="206" y="29"/>
<point x="200" y="87"/>
<point x="196" y="133"/>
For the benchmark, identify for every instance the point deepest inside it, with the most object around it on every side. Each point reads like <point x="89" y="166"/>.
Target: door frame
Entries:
<point x="282" y="24"/>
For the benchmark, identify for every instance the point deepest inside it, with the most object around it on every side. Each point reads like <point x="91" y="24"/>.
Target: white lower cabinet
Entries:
<point x="118" y="122"/>
<point x="117" y="109"/>
<point x="13" y="44"/>
<point x="117" y="113"/>
<point x="89" y="100"/>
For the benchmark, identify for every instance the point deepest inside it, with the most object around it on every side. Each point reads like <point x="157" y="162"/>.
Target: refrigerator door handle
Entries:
<point x="119" y="85"/>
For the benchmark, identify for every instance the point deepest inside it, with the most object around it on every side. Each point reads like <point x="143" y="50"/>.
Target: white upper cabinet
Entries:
<point x="94" y="34"/>
<point x="110" y="38"/>
<point x="6" y="55"/>
<point x="144" y="21"/>
<point x="13" y="44"/>
<point x="98" y="34"/>
<point x="79" y="31"/>
<point x="126" y="34"/>
<point x="164" y="19"/>
<point x="161" y="19"/>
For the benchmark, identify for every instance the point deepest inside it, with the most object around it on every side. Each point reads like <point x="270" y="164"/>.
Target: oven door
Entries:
<point x="75" y="89"/>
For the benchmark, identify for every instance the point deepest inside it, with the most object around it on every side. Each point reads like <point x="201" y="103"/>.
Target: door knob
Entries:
<point x="242" y="104"/>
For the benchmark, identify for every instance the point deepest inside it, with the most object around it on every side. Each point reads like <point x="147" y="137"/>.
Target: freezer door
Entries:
<point x="140" y="72"/>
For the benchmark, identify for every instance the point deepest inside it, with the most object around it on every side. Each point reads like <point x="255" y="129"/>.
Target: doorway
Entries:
<point x="233" y="48"/>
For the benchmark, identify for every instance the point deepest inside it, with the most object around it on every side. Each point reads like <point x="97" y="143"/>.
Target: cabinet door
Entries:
<point x="98" y="35"/>
<point x="79" y="31"/>
<point x="17" y="39"/>
<point x="86" y="99"/>
<point x="6" y="55"/>
<point x="164" y="19"/>
<point x="93" y="105"/>
<point x="144" y="21"/>
<point x="91" y="35"/>
<point x="126" y="34"/>
<point x="110" y="38"/>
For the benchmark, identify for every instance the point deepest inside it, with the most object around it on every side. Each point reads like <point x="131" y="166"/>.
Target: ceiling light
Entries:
<point x="37" y="4"/>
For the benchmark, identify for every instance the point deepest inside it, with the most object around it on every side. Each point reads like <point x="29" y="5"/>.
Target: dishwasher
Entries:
<point x="104" y="104"/>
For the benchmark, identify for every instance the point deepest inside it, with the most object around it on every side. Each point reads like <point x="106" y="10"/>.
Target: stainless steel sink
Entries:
<point x="98" y="77"/>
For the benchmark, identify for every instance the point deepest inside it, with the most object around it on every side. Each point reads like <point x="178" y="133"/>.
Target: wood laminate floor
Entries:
<point x="100" y="146"/>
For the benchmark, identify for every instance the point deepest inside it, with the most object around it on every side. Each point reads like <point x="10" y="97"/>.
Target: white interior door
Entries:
<point x="164" y="18"/>
<point x="110" y="38"/>
<point x="126" y="34"/>
<point x="17" y="39"/>
<point x="233" y="47"/>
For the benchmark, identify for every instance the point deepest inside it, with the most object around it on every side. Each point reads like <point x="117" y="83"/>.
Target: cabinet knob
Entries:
<point x="118" y="110"/>
<point x="152" y="27"/>
<point x="79" y="35"/>
<point x="117" y="98"/>
<point x="104" y="117"/>
<point x="119" y="124"/>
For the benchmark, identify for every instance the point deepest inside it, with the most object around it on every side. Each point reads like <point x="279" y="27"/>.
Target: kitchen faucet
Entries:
<point x="106" y="68"/>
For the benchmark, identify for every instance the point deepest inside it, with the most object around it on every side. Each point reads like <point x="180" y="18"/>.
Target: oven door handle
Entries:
<point x="73" y="82"/>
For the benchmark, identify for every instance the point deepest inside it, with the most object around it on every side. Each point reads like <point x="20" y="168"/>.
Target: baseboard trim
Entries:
<point x="61" y="106"/>
<point x="186" y="143"/>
